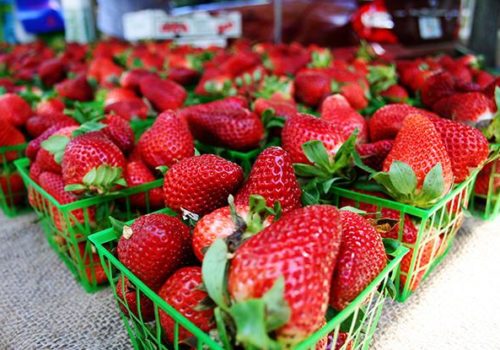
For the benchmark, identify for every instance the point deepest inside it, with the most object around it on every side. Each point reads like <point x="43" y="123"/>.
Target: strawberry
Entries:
<point x="93" y="163"/>
<point x="303" y="128"/>
<point x="182" y="291"/>
<point x="35" y="144"/>
<point x="131" y="79"/>
<point x="154" y="247"/>
<point x="469" y="108"/>
<point x="51" y="150"/>
<point x="483" y="181"/>
<point x="272" y="176"/>
<point x="36" y="125"/>
<point x="417" y="170"/>
<point x="361" y="258"/>
<point x="388" y="120"/>
<point x="281" y="108"/>
<point x="238" y="129"/>
<point x="415" y="77"/>
<point x="436" y="87"/>
<point x="277" y="253"/>
<point x="9" y="136"/>
<point x="75" y="89"/>
<point x="48" y="107"/>
<point x="489" y="90"/>
<point x="228" y="105"/>
<point x="127" y="293"/>
<point x="166" y="142"/>
<point x="466" y="146"/>
<point x="51" y="71"/>
<point x="119" y="131"/>
<point x="312" y="86"/>
<point x="53" y="184"/>
<point x="14" y="109"/>
<point x="13" y="189"/>
<point x="336" y="110"/>
<point x="483" y="78"/>
<point x="104" y="71"/>
<point x="355" y="94"/>
<point x="374" y="154"/>
<point x="215" y="82"/>
<point x="137" y="173"/>
<point x="163" y="94"/>
<point x="395" y="94"/>
<point x="201" y="184"/>
<point x="94" y="271"/>
<point x="460" y="72"/>
<point x="35" y="171"/>
<point x="129" y="109"/>
<point x="119" y="94"/>
<point x="239" y="62"/>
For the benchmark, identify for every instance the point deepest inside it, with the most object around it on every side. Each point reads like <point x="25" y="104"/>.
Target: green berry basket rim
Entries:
<point x="406" y="208"/>
<point x="22" y="166"/>
<point x="99" y="239"/>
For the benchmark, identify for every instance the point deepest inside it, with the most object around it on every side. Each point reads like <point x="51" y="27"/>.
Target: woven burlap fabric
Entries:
<point x="42" y="307"/>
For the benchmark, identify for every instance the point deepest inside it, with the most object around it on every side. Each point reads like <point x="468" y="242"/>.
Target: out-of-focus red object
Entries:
<point x="372" y="22"/>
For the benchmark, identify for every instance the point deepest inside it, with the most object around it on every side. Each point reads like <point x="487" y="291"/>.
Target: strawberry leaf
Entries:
<point x="74" y="187"/>
<point x="433" y="186"/>
<point x="117" y="225"/>
<point x="214" y="273"/>
<point x="277" y="309"/>
<point x="56" y="144"/>
<point x="403" y="177"/>
<point x="221" y="328"/>
<point x="316" y="153"/>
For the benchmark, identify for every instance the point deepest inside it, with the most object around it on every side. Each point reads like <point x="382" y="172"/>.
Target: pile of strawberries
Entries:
<point x="268" y="248"/>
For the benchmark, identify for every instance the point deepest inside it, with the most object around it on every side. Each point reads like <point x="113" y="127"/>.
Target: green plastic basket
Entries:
<point x="359" y="319"/>
<point x="436" y="229"/>
<point x="487" y="206"/>
<point x="67" y="226"/>
<point x="13" y="199"/>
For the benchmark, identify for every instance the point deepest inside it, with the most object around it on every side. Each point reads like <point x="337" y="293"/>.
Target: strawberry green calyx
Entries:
<point x="101" y="180"/>
<point x="247" y="322"/>
<point x="365" y="52"/>
<point x="321" y="59"/>
<point x="381" y="77"/>
<point x="272" y="85"/>
<point x="401" y="183"/>
<point x="216" y="88"/>
<point x="87" y="127"/>
<point x="271" y="120"/>
<point x="56" y="144"/>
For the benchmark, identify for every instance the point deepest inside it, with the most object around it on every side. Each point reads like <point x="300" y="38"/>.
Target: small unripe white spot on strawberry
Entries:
<point x="127" y="232"/>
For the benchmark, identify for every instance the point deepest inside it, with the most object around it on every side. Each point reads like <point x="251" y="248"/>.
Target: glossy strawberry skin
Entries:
<point x="482" y="185"/>
<point x="395" y="93"/>
<point x="282" y="108"/>
<point x="86" y="152"/>
<point x="374" y="154"/>
<point x="182" y="292"/>
<point x="336" y="110"/>
<point x="466" y="146"/>
<point x="166" y="142"/>
<point x="120" y="132"/>
<point x="302" y="246"/>
<point x="303" y="128"/>
<point x="46" y="159"/>
<point x="51" y="71"/>
<point x="36" y="125"/>
<point x="311" y="87"/>
<point x="49" y="107"/>
<point x="35" y="144"/>
<point x="138" y="173"/>
<point x="163" y="94"/>
<point x="75" y="89"/>
<point x="355" y="94"/>
<point x="388" y="120"/>
<point x="128" y="294"/>
<point x="272" y="176"/>
<point x="201" y="184"/>
<point x="361" y="258"/>
<point x="10" y="136"/>
<point x="14" y="109"/>
<point x="158" y="246"/>
<point x="129" y="109"/>
<point x="469" y="107"/>
<point x="436" y="87"/>
<point x="420" y="146"/>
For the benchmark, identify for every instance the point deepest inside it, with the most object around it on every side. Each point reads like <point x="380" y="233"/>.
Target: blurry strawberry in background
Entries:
<point x="372" y="22"/>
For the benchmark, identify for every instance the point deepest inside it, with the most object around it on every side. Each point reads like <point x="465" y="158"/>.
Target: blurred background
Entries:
<point x="402" y="28"/>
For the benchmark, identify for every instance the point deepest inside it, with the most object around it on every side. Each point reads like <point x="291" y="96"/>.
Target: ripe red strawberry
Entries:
<point x="281" y="108"/>
<point x="131" y="79"/>
<point x="466" y="146"/>
<point x="94" y="271"/>
<point x="436" y="87"/>
<point x="35" y="171"/>
<point x="48" y="107"/>
<point x="482" y="185"/>
<point x="228" y="105"/>
<point x="49" y="155"/>
<point x="272" y="176"/>
<point x="75" y="89"/>
<point x="388" y="120"/>
<point x="35" y="144"/>
<point x="10" y="136"/>
<point x="374" y="154"/>
<point x="53" y="184"/>
<point x="415" y="77"/>
<point x="460" y="72"/>
<point x="395" y="93"/>
<point x="120" y="132"/>
<point x="182" y="291"/>
<point x="278" y="251"/>
<point x="489" y="90"/>
<point x="154" y="247"/>
<point x="129" y="109"/>
<point x="166" y="142"/>
<point x="355" y="94"/>
<point x="336" y="110"/>
<point x="105" y="71"/>
<point x="238" y="129"/>
<point x="312" y="86"/>
<point x="201" y="184"/>
<point x="361" y="258"/>
<point x="469" y="107"/>
<point x="51" y="71"/>
<point x="483" y="78"/>
<point x="163" y="94"/>
<point x="214" y="82"/>
<point x="119" y="94"/>
<point x="36" y="125"/>
<point x="302" y="128"/>
<point x="137" y="173"/>
<point x="14" y="109"/>
<point x="13" y="188"/>
<point x="418" y="145"/>
<point x="92" y="162"/>
<point x="127" y="292"/>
